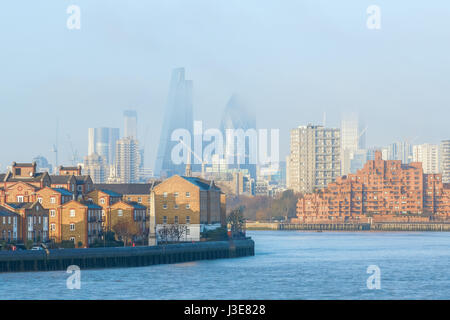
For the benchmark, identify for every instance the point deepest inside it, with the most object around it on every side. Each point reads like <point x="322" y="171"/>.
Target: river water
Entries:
<point x="287" y="265"/>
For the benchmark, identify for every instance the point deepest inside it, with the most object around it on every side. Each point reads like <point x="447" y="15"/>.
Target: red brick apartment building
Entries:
<point x="383" y="190"/>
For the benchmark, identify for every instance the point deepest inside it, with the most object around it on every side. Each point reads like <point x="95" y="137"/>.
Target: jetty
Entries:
<point x="375" y="226"/>
<point x="120" y="257"/>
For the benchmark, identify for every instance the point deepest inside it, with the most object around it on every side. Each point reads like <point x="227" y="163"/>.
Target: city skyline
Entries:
<point x="337" y="65"/>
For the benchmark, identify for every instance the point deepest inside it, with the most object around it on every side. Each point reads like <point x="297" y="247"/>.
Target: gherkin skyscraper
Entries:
<point x="178" y="115"/>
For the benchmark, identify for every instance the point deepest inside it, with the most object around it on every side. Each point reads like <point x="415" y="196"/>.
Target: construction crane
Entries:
<point x="195" y="155"/>
<point x="74" y="153"/>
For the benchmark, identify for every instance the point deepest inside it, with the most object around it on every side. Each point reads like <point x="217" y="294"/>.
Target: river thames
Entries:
<point x="286" y="265"/>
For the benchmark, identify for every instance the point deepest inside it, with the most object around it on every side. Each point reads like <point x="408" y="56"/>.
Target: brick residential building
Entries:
<point x="34" y="225"/>
<point x="10" y="226"/>
<point x="190" y="201"/>
<point x="382" y="188"/>
<point x="81" y="223"/>
<point x="133" y="216"/>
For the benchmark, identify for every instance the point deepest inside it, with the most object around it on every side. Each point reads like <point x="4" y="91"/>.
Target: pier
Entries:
<point x="376" y="226"/>
<point x="20" y="261"/>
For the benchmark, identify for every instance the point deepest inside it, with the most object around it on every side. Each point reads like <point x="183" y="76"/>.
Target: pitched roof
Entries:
<point x="90" y="205"/>
<point x="136" y="205"/>
<point x="111" y="193"/>
<point x="38" y="176"/>
<point x="201" y="183"/>
<point x="125" y="188"/>
<point x="63" y="191"/>
<point x="4" y="212"/>
<point x="20" y="205"/>
<point x="82" y="179"/>
<point x="60" y="179"/>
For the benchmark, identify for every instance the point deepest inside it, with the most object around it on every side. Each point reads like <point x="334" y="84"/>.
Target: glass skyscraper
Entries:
<point x="178" y="115"/>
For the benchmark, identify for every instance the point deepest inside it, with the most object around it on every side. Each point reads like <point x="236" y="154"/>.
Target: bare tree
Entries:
<point x="177" y="231"/>
<point x="164" y="234"/>
<point x="237" y="222"/>
<point x="125" y="230"/>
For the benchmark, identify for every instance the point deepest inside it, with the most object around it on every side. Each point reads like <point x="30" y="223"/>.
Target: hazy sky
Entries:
<point x="290" y="60"/>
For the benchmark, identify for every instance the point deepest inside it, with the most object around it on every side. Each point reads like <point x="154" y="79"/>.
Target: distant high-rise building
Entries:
<point x="353" y="138"/>
<point x="178" y="115"/>
<point x="428" y="154"/>
<point x="130" y="125"/>
<point x="398" y="151"/>
<point x="314" y="159"/>
<point x="102" y="141"/>
<point x="445" y="161"/>
<point x="237" y="117"/>
<point x="95" y="166"/>
<point x="42" y="164"/>
<point x="127" y="160"/>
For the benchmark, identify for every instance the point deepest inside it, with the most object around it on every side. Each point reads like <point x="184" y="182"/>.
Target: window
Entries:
<point x="165" y="194"/>
<point x="19" y="198"/>
<point x="188" y="194"/>
<point x="4" y="220"/>
<point x="102" y="200"/>
<point x="52" y="200"/>
<point x="72" y="213"/>
<point x="175" y="194"/>
<point x="175" y="206"/>
<point x="165" y="219"/>
<point x="103" y="213"/>
<point x="165" y="206"/>
<point x="72" y="239"/>
<point x="188" y="232"/>
<point x="176" y="220"/>
<point x="40" y="200"/>
<point x="120" y="213"/>
<point x="52" y="227"/>
<point x="140" y="200"/>
<point x="188" y="219"/>
<point x="52" y="213"/>
<point x="80" y="188"/>
<point x="188" y="206"/>
<point x="72" y="227"/>
<point x="9" y="220"/>
<point x="39" y="221"/>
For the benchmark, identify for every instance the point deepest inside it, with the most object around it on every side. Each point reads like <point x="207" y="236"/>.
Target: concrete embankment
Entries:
<point x="377" y="226"/>
<point x="26" y="260"/>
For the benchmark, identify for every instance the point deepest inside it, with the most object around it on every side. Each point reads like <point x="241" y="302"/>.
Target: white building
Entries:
<point x="445" y="160"/>
<point x="314" y="159"/>
<point x="428" y="154"/>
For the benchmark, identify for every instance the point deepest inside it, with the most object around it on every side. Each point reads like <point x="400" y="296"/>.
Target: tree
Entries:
<point x="164" y="234"/>
<point x="177" y="231"/>
<point x="125" y="230"/>
<point x="237" y="222"/>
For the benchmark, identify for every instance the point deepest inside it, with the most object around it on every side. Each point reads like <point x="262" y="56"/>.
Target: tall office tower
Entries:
<point x="127" y="160"/>
<point x="102" y="141"/>
<point x="95" y="166"/>
<point x="398" y="151"/>
<point x="445" y="160"/>
<point x="314" y="159"/>
<point x="178" y="115"/>
<point x="428" y="154"/>
<point x="130" y="125"/>
<point x="236" y="117"/>
<point x="353" y="139"/>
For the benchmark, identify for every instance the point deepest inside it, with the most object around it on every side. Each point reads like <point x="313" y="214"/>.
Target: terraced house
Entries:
<point x="81" y="223"/>
<point x="10" y="226"/>
<point x="34" y="220"/>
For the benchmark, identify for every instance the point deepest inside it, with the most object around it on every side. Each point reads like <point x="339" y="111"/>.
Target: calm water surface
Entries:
<point x="287" y="265"/>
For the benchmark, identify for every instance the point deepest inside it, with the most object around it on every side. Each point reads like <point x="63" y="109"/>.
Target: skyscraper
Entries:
<point x="178" y="115"/>
<point x="127" y="160"/>
<point x="130" y="125"/>
<point x="236" y="117"/>
<point x="314" y="159"/>
<point x="94" y="166"/>
<point x="102" y="141"/>
<point x="352" y="142"/>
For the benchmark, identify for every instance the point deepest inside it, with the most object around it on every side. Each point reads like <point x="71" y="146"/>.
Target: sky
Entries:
<point x="290" y="61"/>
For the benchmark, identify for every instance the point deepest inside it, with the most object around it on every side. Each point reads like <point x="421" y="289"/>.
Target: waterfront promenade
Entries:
<point x="60" y="259"/>
<point x="376" y="226"/>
